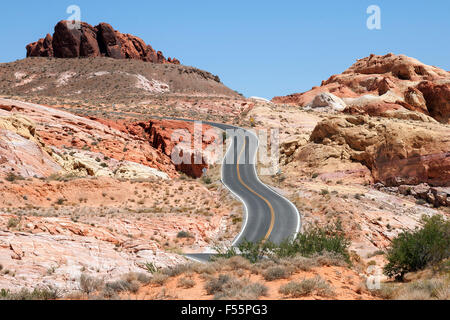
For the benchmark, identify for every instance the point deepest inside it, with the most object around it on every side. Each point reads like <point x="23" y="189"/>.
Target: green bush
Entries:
<point x="184" y="234"/>
<point x="415" y="250"/>
<point x="11" y="177"/>
<point x="317" y="240"/>
<point x="313" y="241"/>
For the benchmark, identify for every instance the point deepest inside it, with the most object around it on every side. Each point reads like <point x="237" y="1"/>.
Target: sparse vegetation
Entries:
<point x="226" y="287"/>
<point x="307" y="287"/>
<point x="276" y="273"/>
<point x="315" y="240"/>
<point x="11" y="177"/>
<point x="13" y="223"/>
<point x="186" y="283"/>
<point x="90" y="284"/>
<point x="45" y="293"/>
<point x="184" y="234"/>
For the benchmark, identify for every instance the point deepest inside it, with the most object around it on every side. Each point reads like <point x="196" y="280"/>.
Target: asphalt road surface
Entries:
<point x="268" y="215"/>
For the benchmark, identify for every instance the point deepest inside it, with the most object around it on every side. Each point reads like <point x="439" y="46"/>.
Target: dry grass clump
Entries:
<point x="276" y="273"/>
<point x="437" y="288"/>
<point x="432" y="289"/>
<point x="43" y="293"/>
<point x="159" y="279"/>
<point x="185" y="283"/>
<point x="307" y="287"/>
<point x="228" y="288"/>
<point x="234" y="263"/>
<point x="130" y="282"/>
<point x="90" y="284"/>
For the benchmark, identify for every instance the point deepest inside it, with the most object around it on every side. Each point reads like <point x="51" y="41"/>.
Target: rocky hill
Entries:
<point x="99" y="65"/>
<point x="105" y="80"/>
<point x="379" y="84"/>
<point x="98" y="41"/>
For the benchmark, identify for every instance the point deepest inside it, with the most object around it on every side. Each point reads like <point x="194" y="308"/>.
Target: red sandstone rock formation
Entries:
<point x="389" y="79"/>
<point x="98" y="41"/>
<point x="159" y="134"/>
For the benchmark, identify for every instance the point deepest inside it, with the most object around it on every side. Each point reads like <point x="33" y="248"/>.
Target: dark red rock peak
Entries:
<point x="98" y="41"/>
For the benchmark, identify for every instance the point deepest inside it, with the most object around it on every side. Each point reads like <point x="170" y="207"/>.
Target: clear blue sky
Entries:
<point x="260" y="48"/>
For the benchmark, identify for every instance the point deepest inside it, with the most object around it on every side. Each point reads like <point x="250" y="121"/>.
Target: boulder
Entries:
<point x="328" y="102"/>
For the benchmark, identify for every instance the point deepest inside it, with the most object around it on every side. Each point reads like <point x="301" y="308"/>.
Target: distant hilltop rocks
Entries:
<point x="98" y="41"/>
<point x="377" y="85"/>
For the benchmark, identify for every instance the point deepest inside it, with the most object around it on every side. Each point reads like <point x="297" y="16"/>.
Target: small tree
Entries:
<point x="415" y="250"/>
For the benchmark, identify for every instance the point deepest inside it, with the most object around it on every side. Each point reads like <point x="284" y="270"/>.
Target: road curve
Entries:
<point x="268" y="215"/>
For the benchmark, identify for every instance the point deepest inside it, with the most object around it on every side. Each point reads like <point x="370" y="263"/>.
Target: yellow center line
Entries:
<point x="272" y="212"/>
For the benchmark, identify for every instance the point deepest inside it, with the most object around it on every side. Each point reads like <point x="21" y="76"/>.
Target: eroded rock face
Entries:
<point x="161" y="136"/>
<point x="40" y="141"/>
<point x="41" y="48"/>
<point x="396" y="152"/>
<point x="389" y="79"/>
<point x="437" y="97"/>
<point x="22" y="152"/>
<point x="98" y="41"/>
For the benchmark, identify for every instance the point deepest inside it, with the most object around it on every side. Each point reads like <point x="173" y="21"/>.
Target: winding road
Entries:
<point x="268" y="215"/>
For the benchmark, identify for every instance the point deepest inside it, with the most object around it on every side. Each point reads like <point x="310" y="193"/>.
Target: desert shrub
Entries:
<point x="307" y="287"/>
<point x="47" y="293"/>
<point x="317" y="240"/>
<point x="90" y="284"/>
<point x="427" y="289"/>
<point x="176" y="270"/>
<point x="206" y="180"/>
<point x="314" y="241"/>
<point x="300" y="263"/>
<point x="184" y="234"/>
<point x="11" y="177"/>
<point x="186" y="283"/>
<point x="204" y="269"/>
<point x="122" y="286"/>
<point x="240" y="290"/>
<point x="151" y="267"/>
<point x="329" y="259"/>
<point x="215" y="285"/>
<point x="276" y="273"/>
<point x="236" y="263"/>
<point x="13" y="223"/>
<point x="251" y="251"/>
<point x="159" y="279"/>
<point x="141" y="277"/>
<point x="415" y="250"/>
<point x="227" y="288"/>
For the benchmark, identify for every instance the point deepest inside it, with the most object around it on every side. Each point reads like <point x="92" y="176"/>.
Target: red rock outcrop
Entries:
<point x="389" y="79"/>
<point x="396" y="152"/>
<point x="437" y="97"/>
<point x="98" y="41"/>
<point x="41" y="48"/>
<point x="160" y="133"/>
<point x="33" y="137"/>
